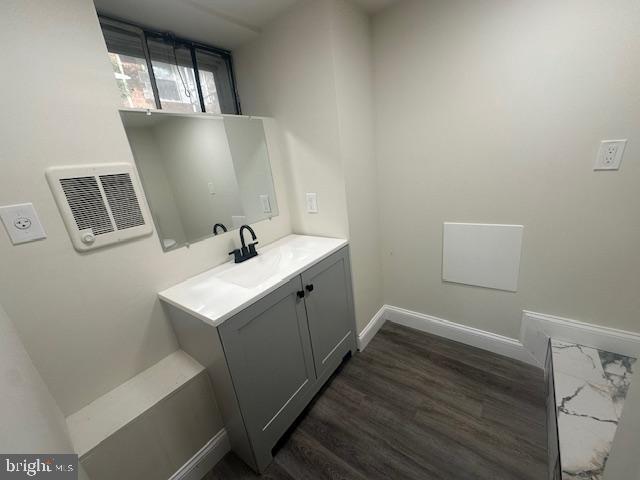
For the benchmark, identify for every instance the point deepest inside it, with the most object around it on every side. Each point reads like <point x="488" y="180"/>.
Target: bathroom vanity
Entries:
<point x="270" y="331"/>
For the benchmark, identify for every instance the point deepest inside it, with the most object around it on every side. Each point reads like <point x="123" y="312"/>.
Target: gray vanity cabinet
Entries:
<point x="269" y="360"/>
<point x="329" y="303"/>
<point x="268" y="351"/>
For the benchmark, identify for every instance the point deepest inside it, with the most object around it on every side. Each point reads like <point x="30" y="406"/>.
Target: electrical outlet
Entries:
<point x="610" y="155"/>
<point x="312" y="203"/>
<point x="22" y="223"/>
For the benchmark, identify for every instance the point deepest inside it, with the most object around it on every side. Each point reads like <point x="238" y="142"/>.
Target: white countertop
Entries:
<point x="219" y="293"/>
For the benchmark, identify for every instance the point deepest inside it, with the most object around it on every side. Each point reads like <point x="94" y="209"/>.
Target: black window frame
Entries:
<point x="145" y="34"/>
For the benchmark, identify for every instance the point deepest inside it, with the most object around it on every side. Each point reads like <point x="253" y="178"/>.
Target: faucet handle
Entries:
<point x="236" y="255"/>
<point x="252" y="247"/>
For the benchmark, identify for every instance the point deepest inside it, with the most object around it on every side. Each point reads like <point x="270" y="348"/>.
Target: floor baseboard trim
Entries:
<point x="205" y="459"/>
<point x="532" y="348"/>
<point x="371" y="329"/>
<point x="508" y="347"/>
<point x="603" y="338"/>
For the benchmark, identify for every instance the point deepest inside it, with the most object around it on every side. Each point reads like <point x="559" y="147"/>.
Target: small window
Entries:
<point x="130" y="69"/>
<point x="216" y="82"/>
<point x="156" y="70"/>
<point x="175" y="76"/>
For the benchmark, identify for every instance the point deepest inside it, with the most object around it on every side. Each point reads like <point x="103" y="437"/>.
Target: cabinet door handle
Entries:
<point x="300" y="293"/>
<point x="309" y="287"/>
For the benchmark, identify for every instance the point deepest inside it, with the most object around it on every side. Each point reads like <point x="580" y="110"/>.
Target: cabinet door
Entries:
<point x="269" y="356"/>
<point x="329" y="302"/>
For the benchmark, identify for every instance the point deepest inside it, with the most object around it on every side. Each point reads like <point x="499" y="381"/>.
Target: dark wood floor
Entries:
<point x="415" y="406"/>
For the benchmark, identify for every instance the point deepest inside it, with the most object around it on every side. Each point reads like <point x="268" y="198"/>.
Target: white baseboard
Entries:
<point x="371" y="329"/>
<point x="603" y="338"/>
<point x="535" y="340"/>
<point x="492" y="342"/>
<point x="536" y="330"/>
<point x="205" y="459"/>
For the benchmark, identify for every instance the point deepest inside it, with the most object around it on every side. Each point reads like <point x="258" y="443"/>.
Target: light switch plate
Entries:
<point x="610" y="155"/>
<point x="22" y="223"/>
<point x="312" y="203"/>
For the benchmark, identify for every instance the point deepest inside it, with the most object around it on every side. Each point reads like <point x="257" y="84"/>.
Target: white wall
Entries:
<point x="88" y="321"/>
<point x="30" y="420"/>
<point x="352" y="53"/>
<point x="310" y="69"/>
<point x="492" y="112"/>
<point x="287" y="73"/>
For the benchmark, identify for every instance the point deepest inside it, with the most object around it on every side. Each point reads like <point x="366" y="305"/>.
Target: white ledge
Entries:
<point x="103" y="417"/>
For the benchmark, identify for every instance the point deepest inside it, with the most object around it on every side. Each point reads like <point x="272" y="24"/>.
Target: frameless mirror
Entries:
<point x="202" y="175"/>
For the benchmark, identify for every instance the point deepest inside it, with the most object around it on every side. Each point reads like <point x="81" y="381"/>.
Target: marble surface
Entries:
<point x="219" y="293"/>
<point x="590" y="387"/>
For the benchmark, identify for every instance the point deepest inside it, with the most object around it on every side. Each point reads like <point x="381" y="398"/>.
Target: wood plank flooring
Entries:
<point x="416" y="406"/>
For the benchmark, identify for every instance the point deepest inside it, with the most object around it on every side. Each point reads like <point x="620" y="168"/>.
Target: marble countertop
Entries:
<point x="219" y="293"/>
<point x="591" y="386"/>
<point x="624" y="461"/>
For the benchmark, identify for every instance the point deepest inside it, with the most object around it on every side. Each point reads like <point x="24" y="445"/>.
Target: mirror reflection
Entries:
<point x="202" y="175"/>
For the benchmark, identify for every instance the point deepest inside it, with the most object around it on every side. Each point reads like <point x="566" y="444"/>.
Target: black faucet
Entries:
<point x="247" y="251"/>
<point x="219" y="225"/>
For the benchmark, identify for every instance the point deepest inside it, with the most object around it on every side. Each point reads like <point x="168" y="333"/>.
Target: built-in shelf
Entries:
<point x="114" y="410"/>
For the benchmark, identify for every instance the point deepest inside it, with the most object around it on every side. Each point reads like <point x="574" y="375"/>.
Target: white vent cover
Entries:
<point x="101" y="204"/>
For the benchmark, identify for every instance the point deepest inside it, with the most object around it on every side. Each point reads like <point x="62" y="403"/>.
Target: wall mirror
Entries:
<point x="203" y="175"/>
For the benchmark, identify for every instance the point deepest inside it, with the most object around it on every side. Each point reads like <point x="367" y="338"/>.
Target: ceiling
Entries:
<point x="222" y="23"/>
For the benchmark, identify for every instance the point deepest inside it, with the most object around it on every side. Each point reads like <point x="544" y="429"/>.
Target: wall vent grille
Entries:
<point x="86" y="204"/>
<point x="122" y="200"/>
<point x="100" y="204"/>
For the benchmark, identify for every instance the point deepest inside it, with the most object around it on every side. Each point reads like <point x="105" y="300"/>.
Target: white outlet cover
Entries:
<point x="22" y="223"/>
<point x="312" y="203"/>
<point x="610" y="155"/>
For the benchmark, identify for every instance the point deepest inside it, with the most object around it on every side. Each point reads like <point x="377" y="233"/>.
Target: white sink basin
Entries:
<point x="271" y="262"/>
<point x="218" y="294"/>
<point x="253" y="272"/>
